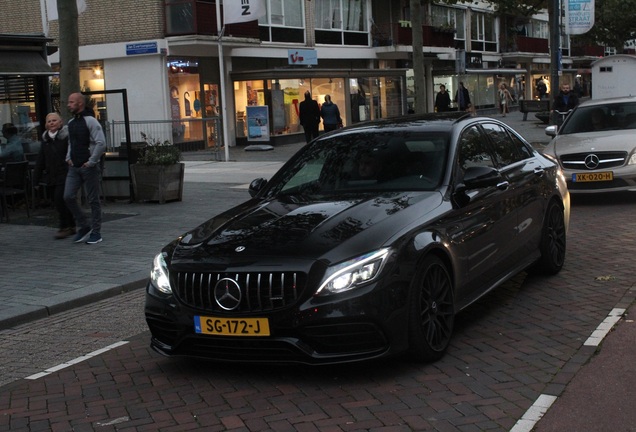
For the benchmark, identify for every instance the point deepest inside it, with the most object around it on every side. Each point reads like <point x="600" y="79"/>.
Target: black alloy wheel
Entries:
<point x="432" y="311"/>
<point x="553" y="241"/>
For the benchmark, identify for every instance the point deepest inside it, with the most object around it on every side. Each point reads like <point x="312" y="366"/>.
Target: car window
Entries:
<point x="506" y="149"/>
<point x="473" y="149"/>
<point x="366" y="162"/>
<point x="611" y="116"/>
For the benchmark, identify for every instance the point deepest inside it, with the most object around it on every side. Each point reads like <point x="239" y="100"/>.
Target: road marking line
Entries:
<point x="75" y="361"/>
<point x="604" y="328"/>
<point x="534" y="413"/>
<point x="544" y="402"/>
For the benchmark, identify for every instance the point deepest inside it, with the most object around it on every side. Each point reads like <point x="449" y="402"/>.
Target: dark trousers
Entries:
<point x="330" y="127"/>
<point x="66" y="217"/>
<point x="311" y="132"/>
<point x="89" y="178"/>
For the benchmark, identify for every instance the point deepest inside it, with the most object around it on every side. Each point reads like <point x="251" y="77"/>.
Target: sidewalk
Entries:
<point x="42" y="276"/>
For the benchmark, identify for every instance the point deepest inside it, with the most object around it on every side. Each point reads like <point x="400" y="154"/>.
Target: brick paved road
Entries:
<point x="523" y="340"/>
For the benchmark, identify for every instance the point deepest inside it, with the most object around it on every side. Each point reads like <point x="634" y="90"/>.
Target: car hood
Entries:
<point x="304" y="230"/>
<point x="622" y="140"/>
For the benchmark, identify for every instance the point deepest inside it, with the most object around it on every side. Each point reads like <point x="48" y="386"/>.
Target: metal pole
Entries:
<point x="226" y="142"/>
<point x="555" y="50"/>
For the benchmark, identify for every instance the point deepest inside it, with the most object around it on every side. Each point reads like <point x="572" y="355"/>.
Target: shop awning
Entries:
<point x="23" y="63"/>
<point x="506" y="71"/>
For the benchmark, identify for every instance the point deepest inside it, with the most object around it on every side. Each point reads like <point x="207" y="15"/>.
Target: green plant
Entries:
<point x="157" y="152"/>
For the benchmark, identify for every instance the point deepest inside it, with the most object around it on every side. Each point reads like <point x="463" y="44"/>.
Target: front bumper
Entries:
<point x="366" y="323"/>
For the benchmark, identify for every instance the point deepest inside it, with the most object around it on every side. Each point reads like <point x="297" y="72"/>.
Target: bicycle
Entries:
<point x="560" y="116"/>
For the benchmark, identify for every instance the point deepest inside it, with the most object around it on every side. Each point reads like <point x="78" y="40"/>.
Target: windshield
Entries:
<point x="612" y="116"/>
<point x="364" y="162"/>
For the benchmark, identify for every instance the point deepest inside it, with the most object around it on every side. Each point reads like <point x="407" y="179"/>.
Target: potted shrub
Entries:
<point x="158" y="173"/>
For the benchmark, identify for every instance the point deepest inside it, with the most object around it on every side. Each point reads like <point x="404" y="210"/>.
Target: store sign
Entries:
<point x="141" y="48"/>
<point x="302" y="57"/>
<point x="257" y="123"/>
<point x="474" y="60"/>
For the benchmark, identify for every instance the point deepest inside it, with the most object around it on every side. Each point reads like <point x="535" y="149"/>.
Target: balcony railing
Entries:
<point x="401" y="33"/>
<point x="588" y="50"/>
<point x="534" y="45"/>
<point x="198" y="17"/>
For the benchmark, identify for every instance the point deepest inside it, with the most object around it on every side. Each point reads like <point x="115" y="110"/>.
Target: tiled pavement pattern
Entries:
<point x="523" y="340"/>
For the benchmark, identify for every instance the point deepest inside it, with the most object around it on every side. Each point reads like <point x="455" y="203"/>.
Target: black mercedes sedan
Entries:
<point x="365" y="244"/>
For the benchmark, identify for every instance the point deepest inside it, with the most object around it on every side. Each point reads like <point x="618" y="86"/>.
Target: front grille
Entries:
<point x="260" y="292"/>
<point x="607" y="160"/>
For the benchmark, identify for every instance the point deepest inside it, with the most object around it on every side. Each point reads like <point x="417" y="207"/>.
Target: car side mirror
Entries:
<point x="477" y="178"/>
<point x="551" y="130"/>
<point x="256" y="186"/>
<point x="480" y="177"/>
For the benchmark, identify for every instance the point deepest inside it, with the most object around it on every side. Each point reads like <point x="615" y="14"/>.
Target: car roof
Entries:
<point x="605" y="101"/>
<point x="438" y="122"/>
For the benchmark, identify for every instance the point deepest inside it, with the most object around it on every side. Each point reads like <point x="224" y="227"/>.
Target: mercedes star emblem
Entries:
<point x="592" y="161"/>
<point x="227" y="294"/>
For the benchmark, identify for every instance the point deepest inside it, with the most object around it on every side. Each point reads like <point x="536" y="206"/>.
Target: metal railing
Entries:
<point x="187" y="134"/>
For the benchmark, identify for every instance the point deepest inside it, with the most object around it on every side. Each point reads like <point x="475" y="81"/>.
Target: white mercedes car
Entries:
<point x="596" y="146"/>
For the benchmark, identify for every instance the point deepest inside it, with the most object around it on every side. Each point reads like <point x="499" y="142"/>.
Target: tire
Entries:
<point x="553" y="242"/>
<point x="431" y="311"/>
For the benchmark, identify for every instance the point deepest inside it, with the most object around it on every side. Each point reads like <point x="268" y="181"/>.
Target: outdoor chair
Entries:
<point x="14" y="184"/>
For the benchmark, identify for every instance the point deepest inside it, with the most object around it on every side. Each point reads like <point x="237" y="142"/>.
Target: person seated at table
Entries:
<point x="12" y="151"/>
<point x="52" y="159"/>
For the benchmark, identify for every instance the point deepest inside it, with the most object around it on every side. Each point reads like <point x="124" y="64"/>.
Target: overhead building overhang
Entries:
<point x="505" y="71"/>
<point x="23" y="63"/>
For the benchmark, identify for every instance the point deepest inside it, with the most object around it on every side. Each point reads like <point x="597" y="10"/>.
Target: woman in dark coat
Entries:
<point x="330" y="115"/>
<point x="51" y="159"/>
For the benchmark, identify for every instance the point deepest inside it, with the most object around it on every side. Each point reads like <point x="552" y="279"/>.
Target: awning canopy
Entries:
<point x="23" y="63"/>
<point x="506" y="71"/>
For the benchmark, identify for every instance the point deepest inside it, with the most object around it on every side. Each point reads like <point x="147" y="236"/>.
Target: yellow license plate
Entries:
<point x="231" y="326"/>
<point x="593" y="176"/>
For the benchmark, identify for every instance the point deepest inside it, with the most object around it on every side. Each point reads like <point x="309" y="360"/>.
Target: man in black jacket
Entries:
<point x="309" y="114"/>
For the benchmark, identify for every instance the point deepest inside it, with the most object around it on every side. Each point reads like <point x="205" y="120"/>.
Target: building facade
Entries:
<point x="169" y="57"/>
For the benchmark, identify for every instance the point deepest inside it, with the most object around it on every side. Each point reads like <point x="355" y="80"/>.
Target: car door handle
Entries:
<point x="539" y="171"/>
<point x="503" y="185"/>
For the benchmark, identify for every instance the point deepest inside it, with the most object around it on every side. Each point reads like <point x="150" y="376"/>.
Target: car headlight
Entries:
<point x="353" y="273"/>
<point x="632" y="159"/>
<point x="159" y="275"/>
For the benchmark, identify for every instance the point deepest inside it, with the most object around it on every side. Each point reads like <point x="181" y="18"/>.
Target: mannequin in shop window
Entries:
<point x="186" y="104"/>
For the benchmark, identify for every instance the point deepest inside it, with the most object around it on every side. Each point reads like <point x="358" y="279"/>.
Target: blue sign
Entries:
<point x="141" y="48"/>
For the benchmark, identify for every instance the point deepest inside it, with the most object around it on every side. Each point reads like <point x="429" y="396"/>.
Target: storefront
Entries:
<point x="24" y="85"/>
<point x="361" y="95"/>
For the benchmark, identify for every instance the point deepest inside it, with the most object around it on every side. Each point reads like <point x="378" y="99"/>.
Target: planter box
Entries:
<point x="157" y="182"/>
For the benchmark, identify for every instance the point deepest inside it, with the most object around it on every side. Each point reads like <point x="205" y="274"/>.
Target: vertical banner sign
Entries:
<point x="579" y="16"/>
<point x="238" y="11"/>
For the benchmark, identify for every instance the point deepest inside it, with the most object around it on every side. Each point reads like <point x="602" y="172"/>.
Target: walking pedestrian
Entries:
<point x="309" y="114"/>
<point x="86" y="147"/>
<point x="504" y="99"/>
<point x="52" y="160"/>
<point x="442" y="100"/>
<point x="462" y="98"/>
<point x="330" y="115"/>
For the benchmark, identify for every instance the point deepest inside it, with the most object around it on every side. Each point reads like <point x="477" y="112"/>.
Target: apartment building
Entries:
<point x="168" y="56"/>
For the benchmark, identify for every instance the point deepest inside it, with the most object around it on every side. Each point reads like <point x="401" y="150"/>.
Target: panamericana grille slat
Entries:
<point x="576" y="161"/>
<point x="260" y="292"/>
